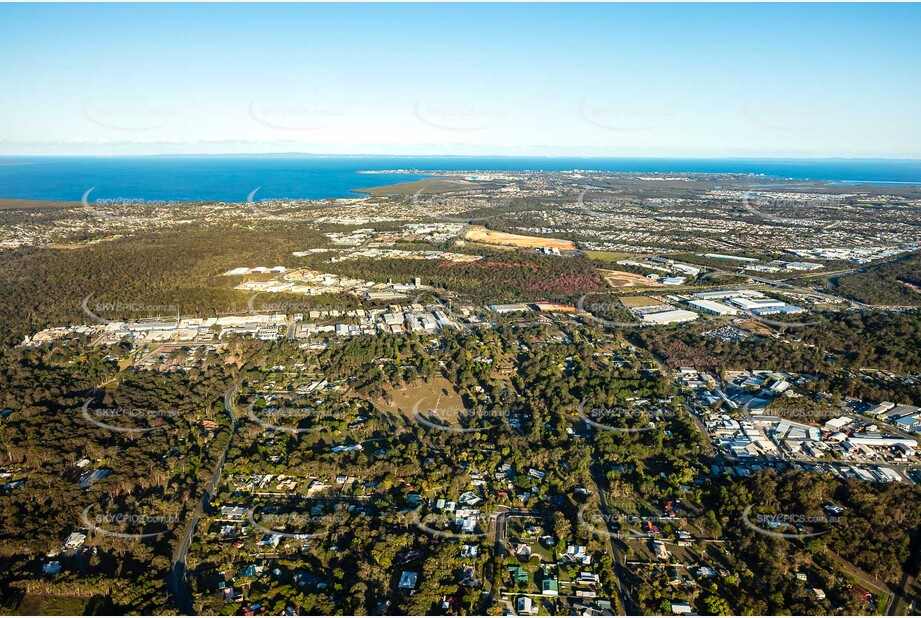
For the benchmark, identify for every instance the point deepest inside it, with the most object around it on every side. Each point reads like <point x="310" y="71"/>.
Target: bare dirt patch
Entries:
<point x="621" y="279"/>
<point x="478" y="233"/>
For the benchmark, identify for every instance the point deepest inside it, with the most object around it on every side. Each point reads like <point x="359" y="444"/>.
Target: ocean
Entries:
<point x="232" y="178"/>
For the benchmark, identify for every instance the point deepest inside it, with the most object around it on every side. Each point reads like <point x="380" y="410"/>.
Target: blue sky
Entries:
<point x="791" y="80"/>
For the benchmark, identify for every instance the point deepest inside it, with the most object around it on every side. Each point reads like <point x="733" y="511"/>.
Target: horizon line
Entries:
<point x="467" y="156"/>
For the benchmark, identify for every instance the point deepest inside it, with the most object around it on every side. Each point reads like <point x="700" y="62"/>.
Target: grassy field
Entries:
<point x="638" y="301"/>
<point x="606" y="256"/>
<point x="437" y="394"/>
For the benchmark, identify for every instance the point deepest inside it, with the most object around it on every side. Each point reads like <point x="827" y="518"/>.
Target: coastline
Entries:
<point x="229" y="179"/>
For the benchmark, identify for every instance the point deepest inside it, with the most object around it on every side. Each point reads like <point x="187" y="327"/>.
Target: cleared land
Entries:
<point x="13" y="204"/>
<point x="621" y="279"/>
<point x="478" y="233"/>
<point x="606" y="256"/>
<point x="430" y="185"/>
<point x="756" y="328"/>
<point x="436" y="394"/>
<point x="638" y="301"/>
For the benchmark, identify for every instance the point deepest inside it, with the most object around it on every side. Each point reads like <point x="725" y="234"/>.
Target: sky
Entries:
<point x="674" y="80"/>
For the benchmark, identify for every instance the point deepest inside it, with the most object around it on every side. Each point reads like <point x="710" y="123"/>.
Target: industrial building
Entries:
<point x="712" y="307"/>
<point x="729" y="294"/>
<point x="750" y="305"/>
<point x="735" y="258"/>
<point x="512" y="308"/>
<point x="670" y="316"/>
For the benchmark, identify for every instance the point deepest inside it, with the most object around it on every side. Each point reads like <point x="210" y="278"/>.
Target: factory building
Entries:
<point x="671" y="316"/>
<point x="712" y="307"/>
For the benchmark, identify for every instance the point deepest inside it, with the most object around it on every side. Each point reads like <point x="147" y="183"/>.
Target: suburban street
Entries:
<point x="177" y="584"/>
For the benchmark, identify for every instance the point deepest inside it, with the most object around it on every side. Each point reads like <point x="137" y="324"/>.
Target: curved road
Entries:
<point x="177" y="581"/>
